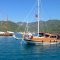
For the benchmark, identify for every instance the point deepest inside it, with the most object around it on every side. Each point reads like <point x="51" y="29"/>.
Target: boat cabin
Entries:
<point x="47" y="35"/>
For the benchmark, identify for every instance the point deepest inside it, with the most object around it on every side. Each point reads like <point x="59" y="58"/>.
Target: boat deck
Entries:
<point x="45" y="39"/>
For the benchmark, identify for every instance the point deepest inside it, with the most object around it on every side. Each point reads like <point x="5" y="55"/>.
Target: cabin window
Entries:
<point x="41" y="34"/>
<point x="46" y="35"/>
<point x="52" y="36"/>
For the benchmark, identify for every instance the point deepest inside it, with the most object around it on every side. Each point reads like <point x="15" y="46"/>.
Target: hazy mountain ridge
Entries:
<point x="52" y="26"/>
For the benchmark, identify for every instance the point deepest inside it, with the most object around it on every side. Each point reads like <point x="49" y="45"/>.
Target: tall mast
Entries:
<point x="38" y="17"/>
<point x="7" y="24"/>
<point x="27" y="25"/>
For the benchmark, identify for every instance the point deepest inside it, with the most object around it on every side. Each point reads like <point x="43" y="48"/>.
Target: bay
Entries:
<point x="12" y="49"/>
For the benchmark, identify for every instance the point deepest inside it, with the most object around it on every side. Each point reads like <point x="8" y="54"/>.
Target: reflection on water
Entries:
<point x="12" y="49"/>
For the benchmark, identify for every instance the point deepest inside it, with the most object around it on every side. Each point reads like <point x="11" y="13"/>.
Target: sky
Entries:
<point x="23" y="10"/>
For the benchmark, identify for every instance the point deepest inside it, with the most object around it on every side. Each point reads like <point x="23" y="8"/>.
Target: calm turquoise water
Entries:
<point x="12" y="49"/>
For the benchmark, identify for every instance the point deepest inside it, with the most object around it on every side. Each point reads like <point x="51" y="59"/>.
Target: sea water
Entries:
<point x="12" y="49"/>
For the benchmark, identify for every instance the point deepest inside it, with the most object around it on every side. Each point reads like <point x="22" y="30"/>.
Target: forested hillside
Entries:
<point x="52" y="26"/>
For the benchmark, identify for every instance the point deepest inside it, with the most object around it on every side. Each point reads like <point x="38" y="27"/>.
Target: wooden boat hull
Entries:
<point x="42" y="41"/>
<point x="6" y="34"/>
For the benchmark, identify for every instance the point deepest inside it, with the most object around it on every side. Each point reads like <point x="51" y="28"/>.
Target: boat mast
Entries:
<point x="38" y="17"/>
<point x="27" y="25"/>
<point x="7" y="24"/>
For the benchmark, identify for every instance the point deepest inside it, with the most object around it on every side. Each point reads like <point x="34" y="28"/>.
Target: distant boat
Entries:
<point x="7" y="33"/>
<point x="41" y="38"/>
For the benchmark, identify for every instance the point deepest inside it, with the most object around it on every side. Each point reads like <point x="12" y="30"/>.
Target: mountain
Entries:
<point x="8" y="26"/>
<point x="51" y="26"/>
<point x="12" y="26"/>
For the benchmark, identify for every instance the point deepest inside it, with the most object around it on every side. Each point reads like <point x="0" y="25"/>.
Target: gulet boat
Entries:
<point x="7" y="33"/>
<point x="41" y="38"/>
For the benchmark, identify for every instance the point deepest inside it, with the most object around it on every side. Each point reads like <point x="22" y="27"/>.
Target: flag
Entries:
<point x="36" y="16"/>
